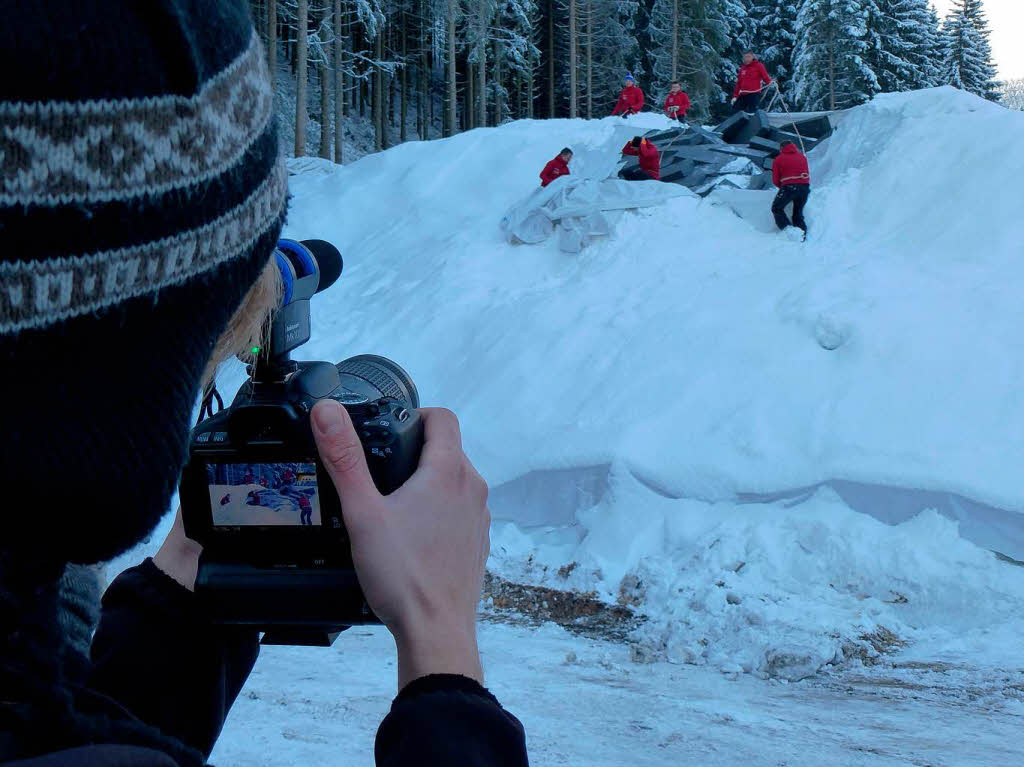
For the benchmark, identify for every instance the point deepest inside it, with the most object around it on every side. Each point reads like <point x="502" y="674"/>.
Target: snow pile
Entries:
<point x="582" y="209"/>
<point x="696" y="391"/>
<point x="779" y="589"/>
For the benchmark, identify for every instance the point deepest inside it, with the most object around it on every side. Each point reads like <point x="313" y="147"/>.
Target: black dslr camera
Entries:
<point x="254" y="493"/>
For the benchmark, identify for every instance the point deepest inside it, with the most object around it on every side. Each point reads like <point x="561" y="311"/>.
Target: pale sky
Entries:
<point x="1006" y="20"/>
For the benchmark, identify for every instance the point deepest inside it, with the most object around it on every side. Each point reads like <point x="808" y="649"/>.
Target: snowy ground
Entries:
<point x="794" y="459"/>
<point x="584" y="702"/>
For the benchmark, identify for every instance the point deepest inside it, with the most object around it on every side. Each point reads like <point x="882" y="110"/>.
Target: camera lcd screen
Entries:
<point x="264" y="494"/>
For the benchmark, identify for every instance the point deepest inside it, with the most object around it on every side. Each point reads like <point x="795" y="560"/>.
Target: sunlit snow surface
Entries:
<point x="784" y="445"/>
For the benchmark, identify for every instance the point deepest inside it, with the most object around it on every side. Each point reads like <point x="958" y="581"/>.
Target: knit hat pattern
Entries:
<point x="141" y="193"/>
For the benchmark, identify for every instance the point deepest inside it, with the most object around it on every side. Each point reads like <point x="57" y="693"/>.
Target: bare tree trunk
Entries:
<point x="529" y="93"/>
<point x="551" y="58"/>
<point x="272" y="42"/>
<point x="389" y="87"/>
<point x="481" y="62"/>
<point x="452" y="85"/>
<point x="470" y="103"/>
<point x="301" y="55"/>
<point x="590" y="59"/>
<point x="378" y="92"/>
<point x="832" y="76"/>
<point x="573" y="96"/>
<point x="405" y="81"/>
<point x="325" y="114"/>
<point x="357" y="87"/>
<point x="498" y="101"/>
<point x="289" y="46"/>
<point x="675" y="39"/>
<point x="424" y="79"/>
<point x="339" y="86"/>
<point x="392" y="87"/>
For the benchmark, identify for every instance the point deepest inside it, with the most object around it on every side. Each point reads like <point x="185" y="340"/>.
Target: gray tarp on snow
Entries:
<point x="580" y="209"/>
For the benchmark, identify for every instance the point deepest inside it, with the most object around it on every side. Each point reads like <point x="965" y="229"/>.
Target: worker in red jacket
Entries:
<point x="677" y="103"/>
<point x="747" y="93"/>
<point x="793" y="178"/>
<point x="557" y="167"/>
<point x="305" y="510"/>
<point x="650" y="159"/>
<point x="631" y="100"/>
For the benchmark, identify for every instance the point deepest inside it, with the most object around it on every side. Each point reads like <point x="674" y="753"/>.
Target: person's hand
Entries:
<point x="179" y="556"/>
<point x="733" y="100"/>
<point x="420" y="552"/>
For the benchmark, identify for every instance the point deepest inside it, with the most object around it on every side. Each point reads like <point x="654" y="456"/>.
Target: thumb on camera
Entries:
<point x="342" y="452"/>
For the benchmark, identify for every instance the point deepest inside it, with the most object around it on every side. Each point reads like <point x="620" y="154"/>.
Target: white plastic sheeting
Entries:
<point x="580" y="209"/>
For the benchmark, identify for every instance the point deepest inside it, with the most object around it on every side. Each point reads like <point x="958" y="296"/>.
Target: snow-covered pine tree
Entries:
<point x="606" y="51"/>
<point x="302" y="51"/>
<point x="740" y="34"/>
<point x="935" y="45"/>
<point x="588" y="10"/>
<point x="691" y="38"/>
<point x="775" y="37"/>
<point x="968" y="59"/>
<point x="889" y="51"/>
<point x="666" y="25"/>
<point x="904" y="48"/>
<point x="535" y="37"/>
<point x="918" y="27"/>
<point x="481" y="12"/>
<point x="572" y="14"/>
<point x="451" y="16"/>
<point x="830" y="68"/>
<point x="616" y="30"/>
<point x="515" y="55"/>
<point x="338" y="51"/>
<point x="567" y="54"/>
<point x="271" y="34"/>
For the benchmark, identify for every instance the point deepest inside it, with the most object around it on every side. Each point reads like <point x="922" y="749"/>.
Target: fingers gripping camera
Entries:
<point x="255" y="493"/>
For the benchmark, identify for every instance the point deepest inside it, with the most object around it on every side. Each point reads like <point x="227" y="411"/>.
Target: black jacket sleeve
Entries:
<point x="446" y="719"/>
<point x="158" y="657"/>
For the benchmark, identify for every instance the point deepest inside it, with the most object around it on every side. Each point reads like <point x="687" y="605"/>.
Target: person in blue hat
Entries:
<point x="631" y="100"/>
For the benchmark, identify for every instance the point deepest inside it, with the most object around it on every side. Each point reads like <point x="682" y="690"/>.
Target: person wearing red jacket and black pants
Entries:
<point x="677" y="103"/>
<point x="631" y="100"/>
<point x="556" y="168"/>
<point x="791" y="175"/>
<point x="650" y="159"/>
<point x="746" y="95"/>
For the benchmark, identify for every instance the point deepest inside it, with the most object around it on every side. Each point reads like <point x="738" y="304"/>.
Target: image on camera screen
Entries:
<point x="264" y="494"/>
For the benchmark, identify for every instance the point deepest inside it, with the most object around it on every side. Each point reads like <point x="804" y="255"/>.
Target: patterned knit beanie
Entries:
<point x="141" y="194"/>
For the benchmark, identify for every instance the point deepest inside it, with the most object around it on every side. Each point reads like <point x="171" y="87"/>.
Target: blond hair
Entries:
<point x="248" y="328"/>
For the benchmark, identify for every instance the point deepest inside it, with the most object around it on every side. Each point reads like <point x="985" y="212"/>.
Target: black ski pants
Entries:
<point x="634" y="173"/>
<point x="747" y="102"/>
<point x="791" y="193"/>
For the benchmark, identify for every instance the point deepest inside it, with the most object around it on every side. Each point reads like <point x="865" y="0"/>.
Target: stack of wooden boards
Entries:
<point x="738" y="153"/>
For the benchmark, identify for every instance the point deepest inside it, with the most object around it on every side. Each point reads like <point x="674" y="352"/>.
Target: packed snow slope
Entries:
<point x="784" y="445"/>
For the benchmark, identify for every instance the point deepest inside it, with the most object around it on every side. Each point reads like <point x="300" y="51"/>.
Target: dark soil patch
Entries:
<point x="579" y="613"/>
